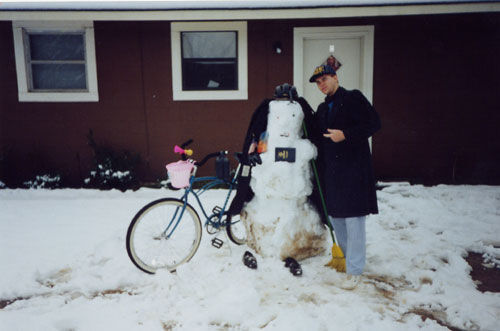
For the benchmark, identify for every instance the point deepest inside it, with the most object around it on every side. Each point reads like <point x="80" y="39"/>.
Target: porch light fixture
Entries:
<point x="277" y="48"/>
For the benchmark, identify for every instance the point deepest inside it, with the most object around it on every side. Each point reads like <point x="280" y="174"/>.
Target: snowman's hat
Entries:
<point x="286" y="91"/>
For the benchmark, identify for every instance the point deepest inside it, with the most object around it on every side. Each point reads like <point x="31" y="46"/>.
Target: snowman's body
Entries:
<point x="279" y="220"/>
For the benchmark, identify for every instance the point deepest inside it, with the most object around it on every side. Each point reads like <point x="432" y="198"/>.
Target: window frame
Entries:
<point x="179" y="94"/>
<point x="25" y="94"/>
<point x="185" y="60"/>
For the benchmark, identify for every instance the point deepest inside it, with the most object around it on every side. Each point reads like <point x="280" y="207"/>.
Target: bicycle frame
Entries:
<point x="212" y="181"/>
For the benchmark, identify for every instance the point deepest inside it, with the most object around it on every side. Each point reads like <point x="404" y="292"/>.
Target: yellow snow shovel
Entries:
<point x="338" y="260"/>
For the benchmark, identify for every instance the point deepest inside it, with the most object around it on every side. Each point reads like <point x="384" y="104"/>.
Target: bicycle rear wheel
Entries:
<point x="163" y="235"/>
<point x="236" y="230"/>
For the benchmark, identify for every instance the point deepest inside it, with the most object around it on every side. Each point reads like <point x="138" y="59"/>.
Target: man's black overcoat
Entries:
<point x="345" y="168"/>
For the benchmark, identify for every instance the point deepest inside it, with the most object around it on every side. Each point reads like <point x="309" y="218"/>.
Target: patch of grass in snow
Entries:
<point x="387" y="286"/>
<point x="486" y="275"/>
<point x="169" y="325"/>
<point x="439" y="316"/>
<point x="70" y="295"/>
<point x="5" y="302"/>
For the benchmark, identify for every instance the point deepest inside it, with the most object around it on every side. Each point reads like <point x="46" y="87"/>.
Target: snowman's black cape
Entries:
<point x="258" y="124"/>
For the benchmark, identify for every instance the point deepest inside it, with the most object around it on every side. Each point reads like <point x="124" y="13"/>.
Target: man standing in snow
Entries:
<point x="343" y="124"/>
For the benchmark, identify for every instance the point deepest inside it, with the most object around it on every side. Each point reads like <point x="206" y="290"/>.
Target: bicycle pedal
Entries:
<point x="217" y="210"/>
<point x="217" y="243"/>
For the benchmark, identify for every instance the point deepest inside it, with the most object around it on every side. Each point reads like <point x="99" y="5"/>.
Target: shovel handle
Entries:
<point x="316" y="176"/>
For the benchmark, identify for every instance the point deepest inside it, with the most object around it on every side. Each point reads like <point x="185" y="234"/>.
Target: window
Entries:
<point x="55" y="62"/>
<point x="209" y="61"/>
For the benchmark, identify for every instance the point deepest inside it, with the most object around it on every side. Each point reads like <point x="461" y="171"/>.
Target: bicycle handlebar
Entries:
<point x="184" y="144"/>
<point x="208" y="157"/>
<point x="184" y="153"/>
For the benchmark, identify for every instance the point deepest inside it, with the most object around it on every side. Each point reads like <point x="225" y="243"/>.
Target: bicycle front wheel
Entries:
<point x="163" y="234"/>
<point x="236" y="230"/>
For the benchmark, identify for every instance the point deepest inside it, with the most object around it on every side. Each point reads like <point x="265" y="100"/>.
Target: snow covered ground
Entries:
<point x="64" y="267"/>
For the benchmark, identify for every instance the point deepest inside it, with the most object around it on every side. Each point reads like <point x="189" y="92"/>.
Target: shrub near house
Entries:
<point x="112" y="169"/>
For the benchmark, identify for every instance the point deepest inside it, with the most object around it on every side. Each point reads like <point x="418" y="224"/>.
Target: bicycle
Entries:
<point x="166" y="233"/>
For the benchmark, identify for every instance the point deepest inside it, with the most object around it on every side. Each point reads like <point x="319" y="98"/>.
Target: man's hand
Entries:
<point x="335" y="135"/>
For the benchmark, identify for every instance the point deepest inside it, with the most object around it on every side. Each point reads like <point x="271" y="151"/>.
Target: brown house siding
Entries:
<point x="435" y="86"/>
<point x="436" y="83"/>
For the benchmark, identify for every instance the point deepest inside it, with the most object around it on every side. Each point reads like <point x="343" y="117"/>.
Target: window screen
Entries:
<point x="56" y="61"/>
<point x="209" y="60"/>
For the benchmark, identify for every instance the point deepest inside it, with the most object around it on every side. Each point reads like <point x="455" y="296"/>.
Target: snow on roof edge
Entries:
<point x="213" y="5"/>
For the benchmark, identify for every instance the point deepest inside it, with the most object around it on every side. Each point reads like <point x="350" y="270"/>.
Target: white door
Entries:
<point x="353" y="47"/>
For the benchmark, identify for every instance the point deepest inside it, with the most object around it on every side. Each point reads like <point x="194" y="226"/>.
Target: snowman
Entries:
<point x="279" y="220"/>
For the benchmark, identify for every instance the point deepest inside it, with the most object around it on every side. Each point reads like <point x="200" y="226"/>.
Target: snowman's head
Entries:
<point x="284" y="120"/>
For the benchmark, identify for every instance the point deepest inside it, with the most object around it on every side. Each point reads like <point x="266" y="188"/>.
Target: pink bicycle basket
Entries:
<point x="179" y="173"/>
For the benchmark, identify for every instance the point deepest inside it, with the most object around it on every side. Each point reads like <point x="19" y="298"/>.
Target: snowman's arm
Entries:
<point x="310" y="125"/>
<point x="307" y="149"/>
<point x="258" y="124"/>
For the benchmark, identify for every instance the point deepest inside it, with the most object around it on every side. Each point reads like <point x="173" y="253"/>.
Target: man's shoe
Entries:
<point x="350" y="282"/>
<point x="249" y="260"/>
<point x="294" y="266"/>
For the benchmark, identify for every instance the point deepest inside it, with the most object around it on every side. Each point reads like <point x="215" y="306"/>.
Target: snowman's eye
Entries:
<point x="293" y="115"/>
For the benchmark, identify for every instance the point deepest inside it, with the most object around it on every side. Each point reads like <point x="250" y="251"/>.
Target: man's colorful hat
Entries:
<point x="321" y="70"/>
